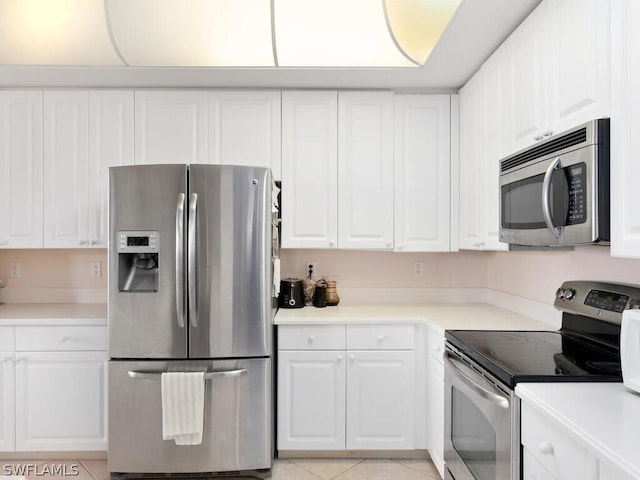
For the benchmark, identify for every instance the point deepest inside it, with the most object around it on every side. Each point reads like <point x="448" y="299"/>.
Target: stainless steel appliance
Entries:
<point x="557" y="192"/>
<point x="482" y="368"/>
<point x="190" y="289"/>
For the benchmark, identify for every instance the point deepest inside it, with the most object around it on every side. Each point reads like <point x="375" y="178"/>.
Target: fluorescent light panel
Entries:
<point x="229" y="33"/>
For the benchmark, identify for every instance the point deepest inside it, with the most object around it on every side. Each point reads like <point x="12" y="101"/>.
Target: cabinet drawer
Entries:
<point x="380" y="337"/>
<point x="7" y="343"/>
<point x="554" y="449"/>
<point x="61" y="338"/>
<point x="311" y="337"/>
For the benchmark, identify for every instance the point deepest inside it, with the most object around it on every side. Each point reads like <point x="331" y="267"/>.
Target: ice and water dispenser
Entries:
<point x="138" y="261"/>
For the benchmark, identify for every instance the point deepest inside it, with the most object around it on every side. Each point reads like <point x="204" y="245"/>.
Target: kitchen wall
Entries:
<point x="54" y="276"/>
<point x="363" y="276"/>
<point x="537" y="275"/>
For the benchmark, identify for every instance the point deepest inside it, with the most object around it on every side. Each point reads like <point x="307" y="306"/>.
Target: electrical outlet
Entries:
<point x="96" y="269"/>
<point x="418" y="269"/>
<point x="14" y="269"/>
<point x="311" y="270"/>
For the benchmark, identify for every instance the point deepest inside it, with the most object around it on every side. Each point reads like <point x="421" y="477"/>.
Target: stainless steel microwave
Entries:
<point x="556" y="192"/>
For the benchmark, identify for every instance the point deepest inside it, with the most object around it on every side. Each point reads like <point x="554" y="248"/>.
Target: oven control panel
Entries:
<point x="602" y="300"/>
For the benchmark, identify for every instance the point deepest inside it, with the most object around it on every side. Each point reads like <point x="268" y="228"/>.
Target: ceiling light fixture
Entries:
<point x="222" y="33"/>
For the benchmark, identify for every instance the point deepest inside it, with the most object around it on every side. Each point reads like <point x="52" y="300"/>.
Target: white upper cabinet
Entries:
<point x="310" y="169"/>
<point x="20" y="169"/>
<point x="625" y="125"/>
<point x="85" y="132"/>
<point x="244" y="129"/>
<point x="422" y="173"/>
<point x="365" y="170"/>
<point x="471" y="165"/>
<point x="559" y="60"/>
<point x="170" y="127"/>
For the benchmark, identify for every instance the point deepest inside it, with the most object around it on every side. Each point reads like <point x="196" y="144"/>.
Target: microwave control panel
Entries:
<point x="577" y="182"/>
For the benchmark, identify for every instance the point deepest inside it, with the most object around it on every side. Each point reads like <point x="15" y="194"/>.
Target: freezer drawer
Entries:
<point x="238" y="419"/>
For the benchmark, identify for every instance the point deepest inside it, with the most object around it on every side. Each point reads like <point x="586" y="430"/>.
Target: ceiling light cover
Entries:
<point x="334" y="33"/>
<point x="60" y="32"/>
<point x="418" y="24"/>
<point x="192" y="32"/>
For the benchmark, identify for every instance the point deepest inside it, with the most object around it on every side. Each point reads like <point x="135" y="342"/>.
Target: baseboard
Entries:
<point x="405" y="454"/>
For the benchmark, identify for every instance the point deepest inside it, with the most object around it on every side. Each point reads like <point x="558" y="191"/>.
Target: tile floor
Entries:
<point x="298" y="469"/>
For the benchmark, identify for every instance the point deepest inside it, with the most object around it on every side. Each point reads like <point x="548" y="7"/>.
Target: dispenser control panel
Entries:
<point x="138" y="241"/>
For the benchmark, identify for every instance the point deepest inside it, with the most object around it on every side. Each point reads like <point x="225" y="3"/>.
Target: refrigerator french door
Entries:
<point x="190" y="289"/>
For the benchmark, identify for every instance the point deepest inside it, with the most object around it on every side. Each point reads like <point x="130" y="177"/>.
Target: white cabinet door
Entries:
<point x="244" y="129"/>
<point x="422" y="173"/>
<point x="365" y="170"/>
<point x="471" y="165"/>
<point x="496" y="125"/>
<point x="380" y="400"/>
<point x="625" y="125"/>
<point x="7" y="402"/>
<point x="170" y="127"/>
<point x="86" y="132"/>
<point x="311" y="400"/>
<point x="20" y="169"/>
<point x="110" y="144"/>
<point x="580" y="68"/>
<point x="66" y="153"/>
<point x="60" y="401"/>
<point x="310" y="169"/>
<point x="529" y="59"/>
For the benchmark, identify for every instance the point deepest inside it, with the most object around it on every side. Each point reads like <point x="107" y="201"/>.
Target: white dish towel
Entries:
<point x="183" y="407"/>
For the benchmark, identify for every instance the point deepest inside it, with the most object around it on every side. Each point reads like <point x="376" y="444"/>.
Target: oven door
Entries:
<point x="552" y="201"/>
<point x="482" y="428"/>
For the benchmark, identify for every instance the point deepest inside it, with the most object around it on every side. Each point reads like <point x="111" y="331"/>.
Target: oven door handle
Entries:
<point x="494" y="398"/>
<point x="546" y="197"/>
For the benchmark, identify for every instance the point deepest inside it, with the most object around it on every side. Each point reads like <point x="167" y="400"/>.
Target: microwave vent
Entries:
<point x="553" y="145"/>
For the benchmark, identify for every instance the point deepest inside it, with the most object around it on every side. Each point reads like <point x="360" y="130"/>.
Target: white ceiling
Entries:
<point x="479" y="27"/>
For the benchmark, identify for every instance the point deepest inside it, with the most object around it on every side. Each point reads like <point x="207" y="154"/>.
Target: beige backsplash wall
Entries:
<point x="537" y="274"/>
<point x="54" y="276"/>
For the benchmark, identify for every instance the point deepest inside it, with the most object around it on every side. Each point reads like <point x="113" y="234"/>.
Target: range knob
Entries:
<point x="569" y="293"/>
<point x="560" y="293"/>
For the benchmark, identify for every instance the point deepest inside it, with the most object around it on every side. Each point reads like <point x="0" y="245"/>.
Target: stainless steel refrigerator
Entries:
<point x="190" y="289"/>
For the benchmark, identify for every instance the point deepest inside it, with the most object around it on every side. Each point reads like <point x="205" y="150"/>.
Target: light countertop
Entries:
<point x="479" y="316"/>
<point x="53" y="314"/>
<point x="605" y="417"/>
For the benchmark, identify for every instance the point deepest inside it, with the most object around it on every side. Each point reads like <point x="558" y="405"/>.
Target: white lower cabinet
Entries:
<point x="336" y="398"/>
<point x="551" y="453"/>
<point x="435" y="396"/>
<point x="60" y="401"/>
<point x="53" y="388"/>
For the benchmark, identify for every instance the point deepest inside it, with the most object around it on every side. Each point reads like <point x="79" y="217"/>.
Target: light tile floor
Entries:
<point x="298" y="469"/>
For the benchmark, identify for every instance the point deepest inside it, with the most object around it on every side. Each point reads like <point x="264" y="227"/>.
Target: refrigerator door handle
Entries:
<point x="207" y="375"/>
<point x="192" y="260"/>
<point x="180" y="307"/>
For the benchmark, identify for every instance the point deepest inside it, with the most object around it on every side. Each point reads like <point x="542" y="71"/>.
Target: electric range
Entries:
<point x="482" y="368"/>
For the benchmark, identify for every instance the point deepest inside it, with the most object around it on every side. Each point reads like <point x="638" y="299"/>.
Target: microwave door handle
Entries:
<point x="180" y="306"/>
<point x="494" y="398"/>
<point x="192" y="260"/>
<point x="546" y="196"/>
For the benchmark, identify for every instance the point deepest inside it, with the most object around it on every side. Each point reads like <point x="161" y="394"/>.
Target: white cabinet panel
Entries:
<point x="312" y="337"/>
<point x="311" y="400"/>
<point x="60" y="401"/>
<point x="310" y="169"/>
<point x="7" y="401"/>
<point x="66" y="159"/>
<point x="244" y="129"/>
<point x="380" y="381"/>
<point x="365" y="170"/>
<point x="85" y="132"/>
<point x="170" y="127"/>
<point x="110" y="145"/>
<point x="380" y="337"/>
<point x="61" y="338"/>
<point x="422" y="172"/>
<point x="625" y="125"/>
<point x="20" y="169"/>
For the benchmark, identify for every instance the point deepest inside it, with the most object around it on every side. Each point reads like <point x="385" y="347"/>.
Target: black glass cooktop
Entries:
<point x="531" y="356"/>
